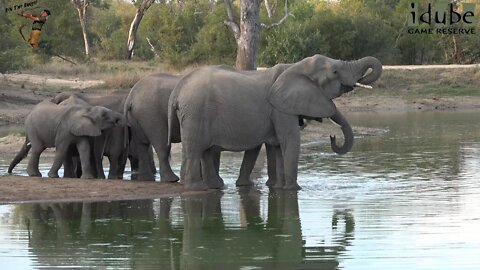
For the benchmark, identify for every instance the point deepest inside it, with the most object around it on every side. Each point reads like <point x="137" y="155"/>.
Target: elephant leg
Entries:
<point x="98" y="149"/>
<point x="144" y="170"/>
<point x="32" y="167"/>
<point x="77" y="166"/>
<point x="193" y="174"/>
<point x="279" y="172"/>
<point x="68" y="165"/>
<point x="134" y="167"/>
<point x="122" y="162"/>
<point x="248" y="163"/>
<point x="83" y="146"/>
<point x="271" y="165"/>
<point x="163" y="154"/>
<point x="288" y="136"/>
<point x="290" y="154"/>
<point x="61" y="150"/>
<point x="152" y="161"/>
<point x="113" y="159"/>
<point x="209" y="170"/>
<point x="216" y="155"/>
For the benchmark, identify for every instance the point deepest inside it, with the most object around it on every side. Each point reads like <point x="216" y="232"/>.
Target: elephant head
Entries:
<point x="308" y="87"/>
<point x="90" y="121"/>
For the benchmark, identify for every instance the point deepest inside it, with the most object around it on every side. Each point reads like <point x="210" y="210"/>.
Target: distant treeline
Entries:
<point x="192" y="32"/>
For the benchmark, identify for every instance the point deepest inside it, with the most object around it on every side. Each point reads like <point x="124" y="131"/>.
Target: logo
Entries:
<point x="441" y="17"/>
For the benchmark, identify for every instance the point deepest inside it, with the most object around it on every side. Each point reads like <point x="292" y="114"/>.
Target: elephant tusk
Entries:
<point x="333" y="122"/>
<point x="363" y="85"/>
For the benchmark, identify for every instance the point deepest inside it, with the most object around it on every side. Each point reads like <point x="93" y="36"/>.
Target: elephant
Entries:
<point x="60" y="126"/>
<point x="219" y="109"/>
<point x="146" y="111"/>
<point x="113" y="143"/>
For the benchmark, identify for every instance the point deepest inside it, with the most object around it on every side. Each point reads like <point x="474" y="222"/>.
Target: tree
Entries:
<point x="82" y="8"/>
<point x="247" y="34"/>
<point x="132" y="33"/>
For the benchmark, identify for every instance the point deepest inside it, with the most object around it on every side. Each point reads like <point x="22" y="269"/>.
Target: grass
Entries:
<point x="412" y="83"/>
<point x="427" y="83"/>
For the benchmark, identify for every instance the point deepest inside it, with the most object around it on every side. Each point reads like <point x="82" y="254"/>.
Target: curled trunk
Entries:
<point x="347" y="134"/>
<point x="362" y="66"/>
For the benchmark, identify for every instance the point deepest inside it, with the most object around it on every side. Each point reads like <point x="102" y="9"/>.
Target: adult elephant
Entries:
<point x="222" y="109"/>
<point x="146" y="111"/>
<point x="60" y="126"/>
<point x="112" y="143"/>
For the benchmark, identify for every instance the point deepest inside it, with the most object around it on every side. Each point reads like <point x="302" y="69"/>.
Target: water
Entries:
<point x="407" y="199"/>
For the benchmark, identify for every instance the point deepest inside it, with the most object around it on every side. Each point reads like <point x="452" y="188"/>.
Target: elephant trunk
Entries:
<point x="339" y="119"/>
<point x="361" y="66"/>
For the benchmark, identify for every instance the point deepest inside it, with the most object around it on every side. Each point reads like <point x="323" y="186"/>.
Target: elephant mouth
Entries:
<point x="346" y="88"/>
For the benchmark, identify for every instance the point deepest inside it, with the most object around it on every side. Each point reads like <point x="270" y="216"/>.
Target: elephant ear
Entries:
<point x="83" y="125"/>
<point x="298" y="90"/>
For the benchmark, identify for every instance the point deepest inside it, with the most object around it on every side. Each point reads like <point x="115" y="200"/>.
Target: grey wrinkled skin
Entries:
<point x="146" y="111"/>
<point x="218" y="108"/>
<point x="113" y="143"/>
<point x="61" y="126"/>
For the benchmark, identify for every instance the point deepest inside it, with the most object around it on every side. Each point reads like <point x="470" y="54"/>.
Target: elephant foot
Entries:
<point x="87" y="176"/>
<point x="293" y="186"/>
<point x="271" y="182"/>
<point x="144" y="177"/>
<point x="169" y="179"/>
<point x="53" y="174"/>
<point x="36" y="174"/>
<point x="216" y="183"/>
<point x="198" y="186"/>
<point x="241" y="182"/>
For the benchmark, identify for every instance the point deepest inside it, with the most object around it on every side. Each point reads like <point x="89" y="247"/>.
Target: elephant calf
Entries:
<point x="112" y="143"/>
<point x="61" y="126"/>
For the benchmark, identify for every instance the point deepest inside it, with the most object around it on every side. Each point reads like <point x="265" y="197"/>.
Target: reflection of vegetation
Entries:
<point x="138" y="234"/>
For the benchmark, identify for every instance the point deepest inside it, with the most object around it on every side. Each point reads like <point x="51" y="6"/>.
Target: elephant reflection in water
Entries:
<point x="91" y="234"/>
<point x="276" y="243"/>
<point x="142" y="234"/>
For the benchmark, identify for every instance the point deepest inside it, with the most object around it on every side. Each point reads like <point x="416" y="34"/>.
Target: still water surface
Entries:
<point x="407" y="199"/>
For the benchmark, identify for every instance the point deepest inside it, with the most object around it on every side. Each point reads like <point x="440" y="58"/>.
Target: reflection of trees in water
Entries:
<point x="140" y="234"/>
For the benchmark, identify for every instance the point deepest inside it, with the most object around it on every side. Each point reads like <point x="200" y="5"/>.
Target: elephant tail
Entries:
<point x="20" y="155"/>
<point x="173" y="125"/>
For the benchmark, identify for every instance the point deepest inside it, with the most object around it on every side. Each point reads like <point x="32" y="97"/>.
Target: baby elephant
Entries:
<point x="61" y="126"/>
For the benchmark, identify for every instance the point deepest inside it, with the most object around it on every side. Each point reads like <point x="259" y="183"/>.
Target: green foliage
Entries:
<point x="183" y="33"/>
<point x="214" y="43"/>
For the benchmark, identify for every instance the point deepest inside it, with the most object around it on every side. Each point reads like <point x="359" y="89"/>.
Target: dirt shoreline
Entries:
<point x="18" y="96"/>
<point x="22" y="189"/>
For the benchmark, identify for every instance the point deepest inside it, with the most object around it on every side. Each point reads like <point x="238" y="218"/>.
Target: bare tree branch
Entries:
<point x="287" y="14"/>
<point x="270" y="8"/>
<point x="82" y="8"/>
<point x="152" y="48"/>
<point x="230" y="22"/>
<point x="132" y="33"/>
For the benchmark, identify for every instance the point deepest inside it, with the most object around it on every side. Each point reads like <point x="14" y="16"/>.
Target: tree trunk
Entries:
<point x="247" y="34"/>
<point x="132" y="34"/>
<point x="82" y="7"/>
<point x="247" y="42"/>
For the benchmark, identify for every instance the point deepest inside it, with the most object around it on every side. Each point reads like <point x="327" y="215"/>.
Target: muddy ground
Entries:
<point x="18" y="96"/>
